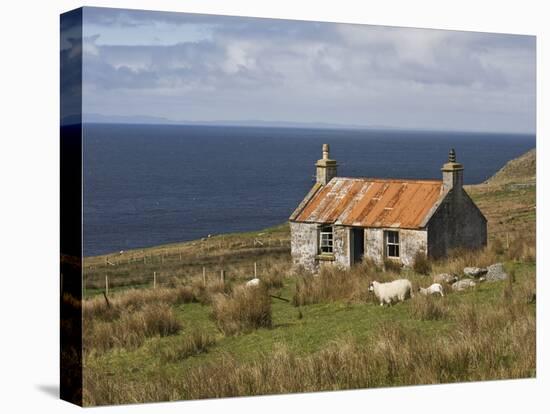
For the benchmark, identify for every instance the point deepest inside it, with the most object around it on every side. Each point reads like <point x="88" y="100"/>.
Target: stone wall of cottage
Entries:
<point x="341" y="246"/>
<point x="305" y="239"/>
<point x="303" y="244"/>
<point x="410" y="242"/>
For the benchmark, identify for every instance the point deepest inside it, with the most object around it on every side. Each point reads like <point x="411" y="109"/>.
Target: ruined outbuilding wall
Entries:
<point x="457" y="223"/>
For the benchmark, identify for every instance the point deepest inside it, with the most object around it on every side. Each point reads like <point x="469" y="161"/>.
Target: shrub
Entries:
<point x="245" y="309"/>
<point x="422" y="264"/>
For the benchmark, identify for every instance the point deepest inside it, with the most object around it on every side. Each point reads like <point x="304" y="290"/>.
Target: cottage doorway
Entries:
<point x="357" y="245"/>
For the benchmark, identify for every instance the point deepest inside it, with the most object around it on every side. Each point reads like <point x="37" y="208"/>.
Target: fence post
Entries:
<point x="204" y="276"/>
<point x="255" y="270"/>
<point x="106" y="285"/>
<point x="507" y="241"/>
<point x="154" y="280"/>
<point x="222" y="276"/>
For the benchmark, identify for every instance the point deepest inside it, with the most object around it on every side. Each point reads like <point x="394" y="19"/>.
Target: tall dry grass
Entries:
<point x="97" y="308"/>
<point x="131" y="329"/>
<point x="333" y="283"/>
<point x="194" y="343"/>
<point x="428" y="308"/>
<point x="422" y="264"/>
<point x="458" y="259"/>
<point x="522" y="248"/>
<point x="492" y="342"/>
<point x="244" y="309"/>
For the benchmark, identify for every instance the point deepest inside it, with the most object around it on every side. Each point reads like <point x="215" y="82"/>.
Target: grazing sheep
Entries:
<point x="398" y="290"/>
<point x="432" y="290"/>
<point x="463" y="284"/>
<point x="475" y="271"/>
<point x="253" y="282"/>
<point x="445" y="278"/>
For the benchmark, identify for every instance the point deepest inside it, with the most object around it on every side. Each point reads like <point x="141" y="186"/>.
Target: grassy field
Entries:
<point x="187" y="339"/>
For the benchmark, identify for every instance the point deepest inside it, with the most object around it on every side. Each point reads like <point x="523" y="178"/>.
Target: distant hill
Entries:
<point x="521" y="169"/>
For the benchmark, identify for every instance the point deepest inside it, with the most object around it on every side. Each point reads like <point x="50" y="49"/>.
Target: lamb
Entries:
<point x="432" y="290"/>
<point x="253" y="282"/>
<point x="398" y="290"/>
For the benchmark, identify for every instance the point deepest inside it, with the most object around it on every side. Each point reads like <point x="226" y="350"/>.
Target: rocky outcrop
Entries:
<point x="496" y="272"/>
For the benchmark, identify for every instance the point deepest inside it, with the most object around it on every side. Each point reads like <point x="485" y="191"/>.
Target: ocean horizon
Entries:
<point x="146" y="185"/>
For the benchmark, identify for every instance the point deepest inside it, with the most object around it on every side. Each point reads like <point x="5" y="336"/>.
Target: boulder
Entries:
<point x="474" y="271"/>
<point x="496" y="272"/>
<point x="463" y="284"/>
<point x="445" y="278"/>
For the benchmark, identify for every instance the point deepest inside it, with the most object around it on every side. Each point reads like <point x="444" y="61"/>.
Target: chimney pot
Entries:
<point x="452" y="155"/>
<point x="452" y="172"/>
<point x="326" y="150"/>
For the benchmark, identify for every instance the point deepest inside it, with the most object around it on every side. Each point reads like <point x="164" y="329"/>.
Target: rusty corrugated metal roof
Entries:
<point x="372" y="202"/>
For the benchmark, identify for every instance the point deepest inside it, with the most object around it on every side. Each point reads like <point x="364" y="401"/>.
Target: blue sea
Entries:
<point x="146" y="185"/>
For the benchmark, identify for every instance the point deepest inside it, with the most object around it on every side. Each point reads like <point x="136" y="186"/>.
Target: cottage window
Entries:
<point x="325" y="239"/>
<point x="392" y="243"/>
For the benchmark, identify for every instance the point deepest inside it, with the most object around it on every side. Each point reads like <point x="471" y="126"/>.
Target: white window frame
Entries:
<point x="393" y="243"/>
<point x="326" y="240"/>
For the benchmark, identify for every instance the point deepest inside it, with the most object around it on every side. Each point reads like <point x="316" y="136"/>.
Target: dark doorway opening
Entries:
<point x="357" y="245"/>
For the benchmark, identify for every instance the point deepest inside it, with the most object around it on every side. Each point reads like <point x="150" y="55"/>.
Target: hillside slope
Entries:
<point x="521" y="169"/>
<point x="508" y="199"/>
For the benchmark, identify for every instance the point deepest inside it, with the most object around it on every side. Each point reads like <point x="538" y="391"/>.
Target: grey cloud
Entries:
<point x="262" y="68"/>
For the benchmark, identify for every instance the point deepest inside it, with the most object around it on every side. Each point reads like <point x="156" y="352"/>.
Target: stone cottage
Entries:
<point x="343" y="220"/>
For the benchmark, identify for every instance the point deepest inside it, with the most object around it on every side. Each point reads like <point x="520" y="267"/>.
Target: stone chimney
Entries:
<point x="452" y="172"/>
<point x="326" y="168"/>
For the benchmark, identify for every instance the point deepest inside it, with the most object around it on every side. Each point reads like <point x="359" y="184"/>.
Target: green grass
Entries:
<point x="319" y="325"/>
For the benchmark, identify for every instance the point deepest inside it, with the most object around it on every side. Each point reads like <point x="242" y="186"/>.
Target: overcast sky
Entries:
<point x="187" y="67"/>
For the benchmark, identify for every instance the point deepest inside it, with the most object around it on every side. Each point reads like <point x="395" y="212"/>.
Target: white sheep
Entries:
<point x="253" y="282"/>
<point x="432" y="290"/>
<point x="445" y="278"/>
<point x="463" y="284"/>
<point x="398" y="290"/>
